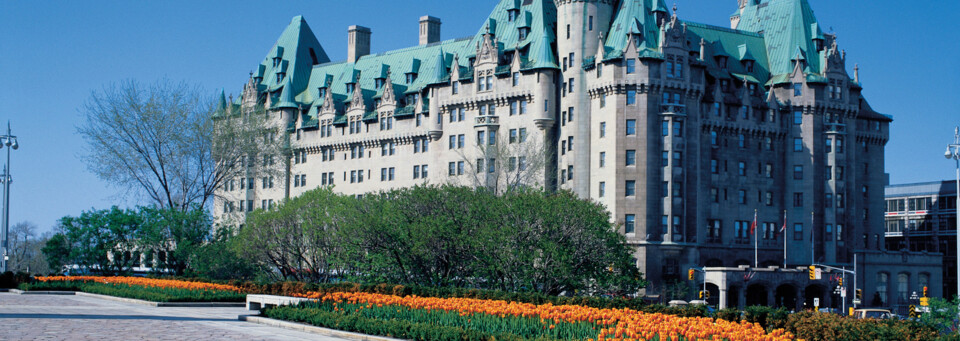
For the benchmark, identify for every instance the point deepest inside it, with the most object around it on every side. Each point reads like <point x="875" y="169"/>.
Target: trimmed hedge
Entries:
<point x="154" y="294"/>
<point x="390" y="328"/>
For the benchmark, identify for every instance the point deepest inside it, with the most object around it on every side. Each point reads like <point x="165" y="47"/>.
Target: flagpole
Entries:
<point x="783" y="230"/>
<point x="812" y="239"/>
<point x="755" y="241"/>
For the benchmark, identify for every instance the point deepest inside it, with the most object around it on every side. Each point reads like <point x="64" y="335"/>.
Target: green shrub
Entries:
<point x="153" y="294"/>
<point x="9" y="280"/>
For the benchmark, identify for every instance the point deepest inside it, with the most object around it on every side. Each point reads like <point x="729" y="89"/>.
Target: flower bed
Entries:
<point x="468" y="318"/>
<point x="156" y="290"/>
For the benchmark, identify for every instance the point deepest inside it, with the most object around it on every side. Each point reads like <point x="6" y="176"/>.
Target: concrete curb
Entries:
<point x="312" y="329"/>
<point x="136" y="301"/>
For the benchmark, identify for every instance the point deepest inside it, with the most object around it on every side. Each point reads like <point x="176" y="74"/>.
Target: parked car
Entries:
<point x="872" y="314"/>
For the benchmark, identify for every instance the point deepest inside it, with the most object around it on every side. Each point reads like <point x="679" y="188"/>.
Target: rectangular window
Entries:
<point x="630" y="189"/>
<point x="523" y="107"/>
<point x="480" y="136"/>
<point x="631" y="65"/>
<point x="492" y="138"/>
<point x="631" y="97"/>
<point x="603" y="159"/>
<point x="452" y="170"/>
<point x="742" y="196"/>
<point x="453" y="143"/>
<point x="460" y="141"/>
<point x="798" y="144"/>
<point x="769" y="199"/>
<point x="797" y="117"/>
<point x="798" y="199"/>
<point x="491" y="165"/>
<point x="603" y="189"/>
<point x="590" y="23"/>
<point x="665" y="128"/>
<point x="603" y="129"/>
<point x="714" y="166"/>
<point x="570" y="114"/>
<point x="798" y="172"/>
<point x="416" y="172"/>
<point x="513" y="136"/>
<point x="714" y="195"/>
<point x="631" y="157"/>
<point x="768" y="170"/>
<point x="631" y="127"/>
<point x="628" y="223"/>
<point x="665" y="158"/>
<point x="829" y="172"/>
<point x="516" y="78"/>
<point x="513" y="108"/>
<point x="829" y="146"/>
<point x="677" y="129"/>
<point x="678" y="159"/>
<point x="798" y="231"/>
<point x="459" y="168"/>
<point x="677" y="189"/>
<point x="741" y="168"/>
<point x="523" y="135"/>
<point x="797" y="89"/>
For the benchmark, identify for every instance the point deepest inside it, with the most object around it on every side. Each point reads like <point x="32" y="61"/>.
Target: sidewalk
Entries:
<point x="58" y="317"/>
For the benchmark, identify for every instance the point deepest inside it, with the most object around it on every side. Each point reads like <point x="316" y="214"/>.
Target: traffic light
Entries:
<point x="924" y="291"/>
<point x="840" y="281"/>
<point x="859" y="294"/>
<point x="701" y="294"/>
<point x="690" y="274"/>
<point x="813" y="272"/>
<point x="706" y="293"/>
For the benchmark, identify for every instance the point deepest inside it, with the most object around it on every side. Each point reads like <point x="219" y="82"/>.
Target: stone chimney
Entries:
<point x="429" y="30"/>
<point x="358" y="43"/>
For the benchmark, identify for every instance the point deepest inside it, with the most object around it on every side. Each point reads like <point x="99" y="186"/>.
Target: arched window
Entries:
<point x="903" y="286"/>
<point x="923" y="279"/>
<point x="882" y="279"/>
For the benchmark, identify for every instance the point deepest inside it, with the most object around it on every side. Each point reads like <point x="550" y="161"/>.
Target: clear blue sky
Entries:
<point x="53" y="54"/>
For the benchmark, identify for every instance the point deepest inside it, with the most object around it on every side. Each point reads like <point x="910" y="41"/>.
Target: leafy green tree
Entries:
<point x="179" y="234"/>
<point x="57" y="252"/>
<point x="94" y="234"/>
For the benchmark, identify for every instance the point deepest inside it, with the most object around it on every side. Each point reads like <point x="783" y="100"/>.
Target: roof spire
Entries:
<point x="856" y="73"/>
<point x="703" y="49"/>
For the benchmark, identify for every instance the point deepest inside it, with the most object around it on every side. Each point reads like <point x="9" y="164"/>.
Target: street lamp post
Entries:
<point x="953" y="152"/>
<point x="10" y="142"/>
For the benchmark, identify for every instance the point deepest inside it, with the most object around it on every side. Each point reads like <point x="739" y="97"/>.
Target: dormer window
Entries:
<point x="748" y="64"/>
<point x="279" y="76"/>
<point x="379" y="82"/>
<point x="411" y="77"/>
<point x="722" y="62"/>
<point x="512" y="15"/>
<point x="523" y="31"/>
<point x="631" y="65"/>
<point x="276" y="61"/>
<point x="412" y="99"/>
<point x="350" y="87"/>
<point x="322" y="92"/>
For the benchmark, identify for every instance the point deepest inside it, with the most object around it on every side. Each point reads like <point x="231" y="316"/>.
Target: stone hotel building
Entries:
<point x="684" y="131"/>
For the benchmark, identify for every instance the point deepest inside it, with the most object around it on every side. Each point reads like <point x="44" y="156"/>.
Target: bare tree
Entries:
<point x="169" y="142"/>
<point x="518" y="161"/>
<point x="23" y="236"/>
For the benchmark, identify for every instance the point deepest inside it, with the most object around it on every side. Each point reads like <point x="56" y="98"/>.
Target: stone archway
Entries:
<point x="714" y="299"/>
<point x="733" y="296"/>
<point x="814" y="290"/>
<point x="786" y="297"/>
<point x="756" y="295"/>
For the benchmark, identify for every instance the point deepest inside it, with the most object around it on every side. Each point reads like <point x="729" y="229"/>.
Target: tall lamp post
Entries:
<point x="953" y="152"/>
<point x="10" y="142"/>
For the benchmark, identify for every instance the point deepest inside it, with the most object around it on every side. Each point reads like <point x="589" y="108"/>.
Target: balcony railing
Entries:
<point x="482" y="121"/>
<point x="673" y="109"/>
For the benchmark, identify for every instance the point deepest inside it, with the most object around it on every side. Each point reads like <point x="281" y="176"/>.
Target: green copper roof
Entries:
<point x="633" y="16"/>
<point x="787" y="25"/>
<point x="286" y="97"/>
<point x="298" y="50"/>
<point x="222" y="104"/>
<point x="738" y="46"/>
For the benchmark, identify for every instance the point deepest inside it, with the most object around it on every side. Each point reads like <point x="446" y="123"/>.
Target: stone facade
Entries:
<point x="684" y="131"/>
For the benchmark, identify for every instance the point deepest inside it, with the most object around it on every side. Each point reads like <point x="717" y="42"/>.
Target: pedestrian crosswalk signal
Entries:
<point x="813" y="272"/>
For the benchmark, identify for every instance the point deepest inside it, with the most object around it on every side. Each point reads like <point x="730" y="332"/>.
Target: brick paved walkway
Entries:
<point x="56" y="317"/>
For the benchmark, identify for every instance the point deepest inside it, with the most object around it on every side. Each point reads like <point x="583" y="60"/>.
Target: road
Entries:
<point x="62" y="317"/>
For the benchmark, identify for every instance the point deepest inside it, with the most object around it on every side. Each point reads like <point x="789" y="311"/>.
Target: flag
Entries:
<point x="753" y="225"/>
<point x="783" y="228"/>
